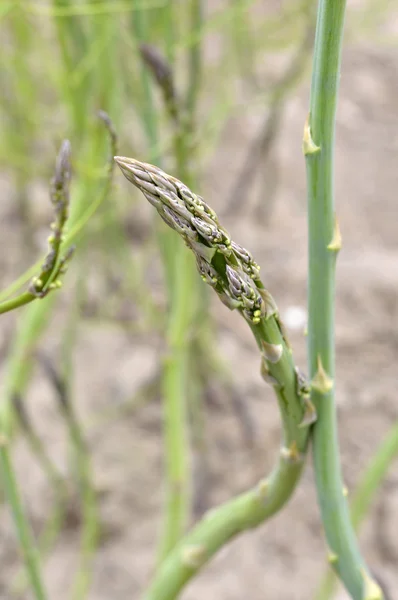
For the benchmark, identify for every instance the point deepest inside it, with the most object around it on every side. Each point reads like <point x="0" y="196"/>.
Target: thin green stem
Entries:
<point x="324" y="243"/>
<point x="13" y="303"/>
<point x="80" y="453"/>
<point x="175" y="380"/>
<point x="175" y="377"/>
<point x="19" y="364"/>
<point x="36" y="317"/>
<point x="169" y="29"/>
<point x="194" y="65"/>
<point x="182" y="282"/>
<point x="364" y="496"/>
<point x="184" y="305"/>
<point x="90" y="517"/>
<point x="149" y="114"/>
<point x="25" y="536"/>
<point x="151" y="126"/>
<point x="46" y="539"/>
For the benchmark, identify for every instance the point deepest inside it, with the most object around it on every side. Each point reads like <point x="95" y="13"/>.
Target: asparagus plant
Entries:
<point x="324" y="245"/>
<point x="183" y="384"/>
<point x="20" y="362"/>
<point x="362" y="498"/>
<point x="234" y="275"/>
<point x="48" y="279"/>
<point x="54" y="263"/>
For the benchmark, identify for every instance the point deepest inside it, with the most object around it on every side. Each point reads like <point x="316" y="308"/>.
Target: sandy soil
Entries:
<point x="284" y="558"/>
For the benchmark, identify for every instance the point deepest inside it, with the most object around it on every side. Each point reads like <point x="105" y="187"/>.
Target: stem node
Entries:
<point x="321" y="381"/>
<point x="292" y="454"/>
<point x="263" y="489"/>
<point x="332" y="558"/>
<point x="310" y="415"/>
<point x="309" y="146"/>
<point x="193" y="556"/>
<point x="336" y="243"/>
<point x="272" y="352"/>
<point x="372" y="590"/>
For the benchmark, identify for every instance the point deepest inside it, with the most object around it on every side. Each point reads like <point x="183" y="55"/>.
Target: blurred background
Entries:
<point x="215" y="92"/>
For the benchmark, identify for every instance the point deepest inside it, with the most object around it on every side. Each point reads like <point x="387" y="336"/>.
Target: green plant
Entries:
<point x="324" y="245"/>
<point x="142" y="60"/>
<point x="48" y="279"/>
<point x="231" y="271"/>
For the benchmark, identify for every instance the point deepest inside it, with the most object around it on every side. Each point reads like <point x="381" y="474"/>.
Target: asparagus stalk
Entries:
<point x="52" y="267"/>
<point x="363" y="497"/>
<point x="231" y="271"/>
<point x="29" y="332"/>
<point x="324" y="244"/>
<point x="175" y="368"/>
<point x="54" y="264"/>
<point x="185" y="299"/>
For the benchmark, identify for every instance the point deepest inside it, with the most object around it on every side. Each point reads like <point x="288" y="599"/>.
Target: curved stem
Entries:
<point x="250" y="509"/>
<point x="324" y="243"/>
<point x="21" y="300"/>
<point x="234" y="275"/>
<point x="220" y="526"/>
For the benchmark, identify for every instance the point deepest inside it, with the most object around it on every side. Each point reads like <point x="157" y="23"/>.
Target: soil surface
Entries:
<point x="285" y="558"/>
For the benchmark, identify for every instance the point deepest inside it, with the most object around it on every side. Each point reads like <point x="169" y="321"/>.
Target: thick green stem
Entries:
<point x="250" y="509"/>
<point x="233" y="274"/>
<point x="324" y="243"/>
<point x="221" y="525"/>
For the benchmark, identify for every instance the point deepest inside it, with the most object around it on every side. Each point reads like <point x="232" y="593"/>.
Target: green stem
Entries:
<point x="90" y="531"/>
<point x="21" y="300"/>
<point x="90" y="518"/>
<point x="46" y="541"/>
<point x="324" y="244"/>
<point x="169" y="21"/>
<point x="25" y="536"/>
<point x="183" y="305"/>
<point x="364" y="496"/>
<point x="221" y="525"/>
<point x="250" y="509"/>
<point x="149" y="115"/>
<point x="175" y="380"/>
<point x="36" y="317"/>
<point x="30" y="330"/>
<point x="151" y="126"/>
<point x="195" y="65"/>
<point x="234" y="276"/>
